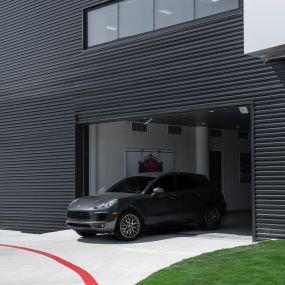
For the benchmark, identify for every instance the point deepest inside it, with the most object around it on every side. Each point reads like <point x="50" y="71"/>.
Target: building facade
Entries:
<point x="57" y="79"/>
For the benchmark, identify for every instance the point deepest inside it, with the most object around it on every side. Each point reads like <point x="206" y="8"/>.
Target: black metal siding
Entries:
<point x="37" y="126"/>
<point x="45" y="78"/>
<point x="198" y="66"/>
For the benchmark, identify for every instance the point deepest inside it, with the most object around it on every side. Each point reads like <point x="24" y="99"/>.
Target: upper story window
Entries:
<point x="102" y="25"/>
<point x="210" y="7"/>
<point x="135" y="17"/>
<point x="131" y="17"/>
<point x="169" y="12"/>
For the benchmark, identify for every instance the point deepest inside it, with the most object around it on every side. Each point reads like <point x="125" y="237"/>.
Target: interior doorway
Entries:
<point x="216" y="170"/>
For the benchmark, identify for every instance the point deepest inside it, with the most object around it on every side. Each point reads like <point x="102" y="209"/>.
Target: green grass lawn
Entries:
<point x="260" y="264"/>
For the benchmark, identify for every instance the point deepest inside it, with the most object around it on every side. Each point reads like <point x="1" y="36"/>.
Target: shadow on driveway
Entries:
<point x="234" y="223"/>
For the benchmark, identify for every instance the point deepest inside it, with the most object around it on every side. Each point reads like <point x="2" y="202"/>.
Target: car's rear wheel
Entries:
<point x="210" y="219"/>
<point x="129" y="226"/>
<point x="86" y="234"/>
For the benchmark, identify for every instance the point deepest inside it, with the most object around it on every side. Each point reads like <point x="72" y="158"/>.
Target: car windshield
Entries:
<point x="132" y="184"/>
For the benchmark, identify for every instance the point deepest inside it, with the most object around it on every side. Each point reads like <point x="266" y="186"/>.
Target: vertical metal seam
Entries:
<point x="253" y="188"/>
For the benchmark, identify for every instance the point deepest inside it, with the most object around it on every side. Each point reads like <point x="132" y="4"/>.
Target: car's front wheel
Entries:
<point x="86" y="234"/>
<point x="210" y="219"/>
<point x="129" y="226"/>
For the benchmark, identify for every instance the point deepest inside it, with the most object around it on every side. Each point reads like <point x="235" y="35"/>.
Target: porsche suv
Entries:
<point x="147" y="201"/>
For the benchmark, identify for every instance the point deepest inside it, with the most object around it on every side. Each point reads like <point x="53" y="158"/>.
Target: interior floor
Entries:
<point x="237" y="223"/>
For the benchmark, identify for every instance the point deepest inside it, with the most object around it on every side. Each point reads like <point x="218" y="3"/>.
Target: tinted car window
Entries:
<point x="166" y="183"/>
<point x="131" y="185"/>
<point x="185" y="183"/>
<point x="202" y="181"/>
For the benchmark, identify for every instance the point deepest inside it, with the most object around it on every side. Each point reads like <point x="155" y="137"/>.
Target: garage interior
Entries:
<point x="215" y="142"/>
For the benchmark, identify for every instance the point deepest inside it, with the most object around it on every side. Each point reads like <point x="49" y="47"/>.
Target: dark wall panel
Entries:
<point x="36" y="163"/>
<point x="37" y="125"/>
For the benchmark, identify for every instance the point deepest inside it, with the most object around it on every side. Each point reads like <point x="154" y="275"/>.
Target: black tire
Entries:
<point x="129" y="226"/>
<point x="86" y="234"/>
<point x="210" y="218"/>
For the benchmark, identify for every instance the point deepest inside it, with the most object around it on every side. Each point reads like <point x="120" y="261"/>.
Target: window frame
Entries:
<point x="149" y="34"/>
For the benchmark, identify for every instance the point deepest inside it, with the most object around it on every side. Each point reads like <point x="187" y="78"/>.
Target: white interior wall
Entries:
<point x="108" y="142"/>
<point x="113" y="138"/>
<point x="237" y="195"/>
<point x="202" y="151"/>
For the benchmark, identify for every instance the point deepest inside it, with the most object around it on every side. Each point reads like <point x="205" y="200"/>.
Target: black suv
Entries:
<point x="146" y="201"/>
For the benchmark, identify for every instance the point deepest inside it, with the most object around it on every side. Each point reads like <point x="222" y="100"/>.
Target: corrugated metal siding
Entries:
<point x="197" y="66"/>
<point x="37" y="126"/>
<point x="45" y="78"/>
<point x="270" y="167"/>
<point x="36" y="163"/>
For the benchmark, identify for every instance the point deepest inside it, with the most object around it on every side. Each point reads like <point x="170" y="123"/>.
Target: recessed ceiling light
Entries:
<point x="148" y="121"/>
<point x="212" y="111"/>
<point x="165" y="12"/>
<point x="111" y="28"/>
<point x="244" y="110"/>
<point x="204" y="124"/>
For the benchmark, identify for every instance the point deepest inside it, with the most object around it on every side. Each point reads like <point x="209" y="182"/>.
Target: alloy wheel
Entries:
<point x="130" y="226"/>
<point x="212" y="217"/>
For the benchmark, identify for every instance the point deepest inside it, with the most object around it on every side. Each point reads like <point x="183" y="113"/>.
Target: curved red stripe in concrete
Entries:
<point x="85" y="276"/>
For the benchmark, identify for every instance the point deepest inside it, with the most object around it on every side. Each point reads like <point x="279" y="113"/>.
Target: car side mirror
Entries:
<point x="156" y="191"/>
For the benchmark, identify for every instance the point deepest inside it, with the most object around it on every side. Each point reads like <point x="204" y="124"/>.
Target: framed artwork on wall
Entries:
<point x="139" y="161"/>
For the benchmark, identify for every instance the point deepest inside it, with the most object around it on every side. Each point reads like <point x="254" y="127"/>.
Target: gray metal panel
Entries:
<point x="190" y="66"/>
<point x="197" y="67"/>
<point x="37" y="126"/>
<point x="37" y="163"/>
<point x="270" y="167"/>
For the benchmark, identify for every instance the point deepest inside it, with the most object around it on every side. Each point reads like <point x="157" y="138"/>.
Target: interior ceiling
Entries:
<point x="227" y="118"/>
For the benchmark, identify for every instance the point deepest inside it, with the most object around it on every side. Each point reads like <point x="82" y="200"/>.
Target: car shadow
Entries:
<point x="233" y="224"/>
<point x="236" y="223"/>
<point x="147" y="236"/>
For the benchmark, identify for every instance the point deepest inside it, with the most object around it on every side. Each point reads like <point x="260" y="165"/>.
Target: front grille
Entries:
<point x="100" y="217"/>
<point x="78" y="215"/>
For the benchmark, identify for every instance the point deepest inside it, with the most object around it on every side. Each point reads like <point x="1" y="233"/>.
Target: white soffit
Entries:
<point x="264" y="25"/>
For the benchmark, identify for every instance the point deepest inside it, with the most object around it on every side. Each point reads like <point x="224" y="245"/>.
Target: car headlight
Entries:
<point x="106" y="205"/>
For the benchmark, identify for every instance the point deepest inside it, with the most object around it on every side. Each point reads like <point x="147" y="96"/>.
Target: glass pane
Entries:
<point x="209" y="7"/>
<point x="103" y="25"/>
<point x="136" y="16"/>
<point x="185" y="183"/>
<point x="166" y="183"/>
<point x="169" y="12"/>
<point x="132" y="185"/>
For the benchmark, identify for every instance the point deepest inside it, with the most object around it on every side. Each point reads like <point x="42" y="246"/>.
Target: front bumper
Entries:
<point x="105" y="224"/>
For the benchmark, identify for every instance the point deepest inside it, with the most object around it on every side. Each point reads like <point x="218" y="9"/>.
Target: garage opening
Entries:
<point x="215" y="142"/>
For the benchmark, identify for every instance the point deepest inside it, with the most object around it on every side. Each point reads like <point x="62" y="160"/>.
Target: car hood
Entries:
<point x="88" y="203"/>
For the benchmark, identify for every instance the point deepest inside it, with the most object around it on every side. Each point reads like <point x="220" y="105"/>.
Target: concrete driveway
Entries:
<point x="110" y="262"/>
